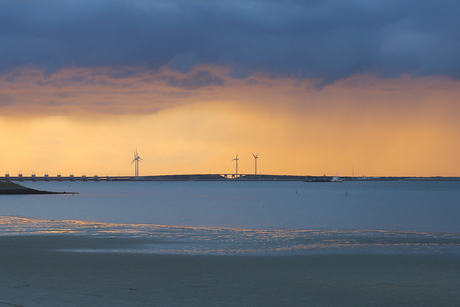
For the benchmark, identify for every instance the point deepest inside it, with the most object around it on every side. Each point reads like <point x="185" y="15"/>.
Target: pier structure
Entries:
<point x="189" y="177"/>
<point x="59" y="177"/>
<point x="212" y="177"/>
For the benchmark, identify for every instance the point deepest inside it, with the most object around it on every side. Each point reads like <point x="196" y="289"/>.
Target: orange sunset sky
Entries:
<point x="385" y="101"/>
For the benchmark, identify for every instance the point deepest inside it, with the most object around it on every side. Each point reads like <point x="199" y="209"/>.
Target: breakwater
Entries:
<point x="217" y="177"/>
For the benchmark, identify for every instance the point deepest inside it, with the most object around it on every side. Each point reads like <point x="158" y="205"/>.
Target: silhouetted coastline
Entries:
<point x="11" y="188"/>
<point x="224" y="177"/>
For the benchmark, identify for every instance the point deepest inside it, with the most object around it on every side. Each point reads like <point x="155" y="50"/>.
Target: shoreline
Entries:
<point x="226" y="177"/>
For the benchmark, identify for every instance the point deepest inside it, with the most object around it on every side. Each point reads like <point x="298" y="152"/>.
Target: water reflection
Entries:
<point x="161" y="239"/>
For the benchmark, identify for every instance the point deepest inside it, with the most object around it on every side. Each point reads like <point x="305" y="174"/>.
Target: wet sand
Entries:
<point x="34" y="271"/>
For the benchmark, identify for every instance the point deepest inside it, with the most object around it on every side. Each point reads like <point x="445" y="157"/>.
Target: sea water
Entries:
<point x="231" y="243"/>
<point x="246" y="217"/>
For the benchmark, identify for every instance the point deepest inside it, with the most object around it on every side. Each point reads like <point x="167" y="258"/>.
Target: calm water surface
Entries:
<point x="248" y="217"/>
<point x="399" y="205"/>
<point x="232" y="244"/>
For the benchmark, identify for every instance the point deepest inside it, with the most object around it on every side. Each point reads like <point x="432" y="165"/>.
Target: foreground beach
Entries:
<point x="52" y="270"/>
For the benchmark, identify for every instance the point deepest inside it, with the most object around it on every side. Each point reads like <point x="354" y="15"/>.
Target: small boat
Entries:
<point x="336" y="178"/>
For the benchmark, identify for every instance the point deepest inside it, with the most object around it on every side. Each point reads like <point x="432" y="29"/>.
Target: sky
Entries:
<point x="363" y="88"/>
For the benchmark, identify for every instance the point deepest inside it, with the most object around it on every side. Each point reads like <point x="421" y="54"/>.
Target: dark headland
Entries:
<point x="11" y="188"/>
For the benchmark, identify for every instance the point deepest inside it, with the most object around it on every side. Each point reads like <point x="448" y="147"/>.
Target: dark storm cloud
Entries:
<point x="322" y="40"/>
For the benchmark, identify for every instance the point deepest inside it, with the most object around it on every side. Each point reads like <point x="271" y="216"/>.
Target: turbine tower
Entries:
<point x="236" y="162"/>
<point x="255" y="159"/>
<point x="136" y="161"/>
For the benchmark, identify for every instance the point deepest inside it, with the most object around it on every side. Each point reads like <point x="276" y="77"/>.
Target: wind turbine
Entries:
<point x="255" y="159"/>
<point x="136" y="161"/>
<point x="236" y="161"/>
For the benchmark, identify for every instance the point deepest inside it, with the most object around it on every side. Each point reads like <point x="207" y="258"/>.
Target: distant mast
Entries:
<point x="236" y="162"/>
<point x="136" y="161"/>
<point x="255" y="160"/>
